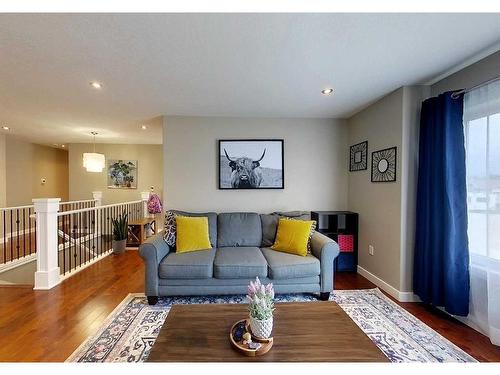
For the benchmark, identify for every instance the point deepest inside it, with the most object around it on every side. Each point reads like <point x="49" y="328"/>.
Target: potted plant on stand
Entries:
<point x="261" y="308"/>
<point x="120" y="232"/>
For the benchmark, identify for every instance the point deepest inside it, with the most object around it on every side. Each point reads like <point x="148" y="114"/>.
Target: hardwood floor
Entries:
<point x="50" y="325"/>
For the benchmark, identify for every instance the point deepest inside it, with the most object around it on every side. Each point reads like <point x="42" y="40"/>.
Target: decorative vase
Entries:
<point x="261" y="329"/>
<point x="119" y="246"/>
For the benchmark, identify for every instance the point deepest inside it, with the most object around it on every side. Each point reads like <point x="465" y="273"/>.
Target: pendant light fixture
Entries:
<point x="92" y="161"/>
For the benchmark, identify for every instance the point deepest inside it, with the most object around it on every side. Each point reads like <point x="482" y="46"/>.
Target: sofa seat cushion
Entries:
<point x="190" y="265"/>
<point x="239" y="263"/>
<point x="289" y="266"/>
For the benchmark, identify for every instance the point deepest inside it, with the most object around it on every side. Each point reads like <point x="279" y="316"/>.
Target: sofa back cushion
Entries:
<point x="212" y="222"/>
<point x="239" y="229"/>
<point x="270" y="224"/>
<point x="269" y="228"/>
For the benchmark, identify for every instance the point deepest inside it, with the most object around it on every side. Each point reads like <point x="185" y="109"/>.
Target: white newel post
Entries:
<point x="47" y="273"/>
<point x="145" y="198"/>
<point x="97" y="196"/>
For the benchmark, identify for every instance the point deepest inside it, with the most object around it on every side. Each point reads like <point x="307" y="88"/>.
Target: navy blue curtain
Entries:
<point x="441" y="258"/>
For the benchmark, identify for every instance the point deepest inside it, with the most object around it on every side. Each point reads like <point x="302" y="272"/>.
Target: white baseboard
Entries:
<point x="389" y="289"/>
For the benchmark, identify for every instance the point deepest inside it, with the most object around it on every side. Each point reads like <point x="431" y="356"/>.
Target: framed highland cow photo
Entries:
<point x="251" y="164"/>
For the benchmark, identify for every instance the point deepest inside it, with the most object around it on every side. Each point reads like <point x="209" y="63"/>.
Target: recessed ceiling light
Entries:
<point x="144" y="127"/>
<point x="63" y="146"/>
<point x="5" y="128"/>
<point x="96" y="85"/>
<point x="327" y="91"/>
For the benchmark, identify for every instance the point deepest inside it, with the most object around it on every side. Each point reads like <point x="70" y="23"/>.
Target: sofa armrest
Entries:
<point x="326" y="250"/>
<point x="153" y="250"/>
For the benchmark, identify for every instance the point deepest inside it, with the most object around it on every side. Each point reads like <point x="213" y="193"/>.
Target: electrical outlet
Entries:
<point x="371" y="250"/>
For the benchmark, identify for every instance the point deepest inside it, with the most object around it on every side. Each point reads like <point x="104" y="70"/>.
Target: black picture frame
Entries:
<point x="360" y="149"/>
<point x="224" y="164"/>
<point x="389" y="174"/>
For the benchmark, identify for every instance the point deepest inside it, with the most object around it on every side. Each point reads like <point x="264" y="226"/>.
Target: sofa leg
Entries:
<point x="324" y="296"/>
<point x="152" y="300"/>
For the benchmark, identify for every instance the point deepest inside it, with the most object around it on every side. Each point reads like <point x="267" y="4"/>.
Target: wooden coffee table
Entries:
<point x="303" y="332"/>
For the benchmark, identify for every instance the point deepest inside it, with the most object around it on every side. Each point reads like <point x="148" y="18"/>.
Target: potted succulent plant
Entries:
<point x="261" y="308"/>
<point x="120" y="232"/>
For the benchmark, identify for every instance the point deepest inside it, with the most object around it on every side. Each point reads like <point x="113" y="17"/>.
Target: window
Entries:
<point x="482" y="135"/>
<point x="482" y="150"/>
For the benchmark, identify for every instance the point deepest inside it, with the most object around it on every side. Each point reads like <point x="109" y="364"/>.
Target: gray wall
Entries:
<point x="475" y="74"/>
<point x="149" y="171"/>
<point x="315" y="164"/>
<point x="26" y="164"/>
<point x="387" y="210"/>
<point x="412" y="103"/>
<point x="378" y="204"/>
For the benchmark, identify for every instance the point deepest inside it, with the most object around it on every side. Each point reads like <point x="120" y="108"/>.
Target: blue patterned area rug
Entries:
<point x="130" y="331"/>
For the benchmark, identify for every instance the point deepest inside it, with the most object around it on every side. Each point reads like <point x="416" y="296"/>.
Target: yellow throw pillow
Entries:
<point x="292" y="236"/>
<point x="192" y="233"/>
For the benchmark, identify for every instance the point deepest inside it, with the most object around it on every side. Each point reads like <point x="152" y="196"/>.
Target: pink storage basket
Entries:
<point x="346" y="243"/>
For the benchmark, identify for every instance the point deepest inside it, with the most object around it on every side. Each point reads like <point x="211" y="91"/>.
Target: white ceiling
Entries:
<point x="263" y="65"/>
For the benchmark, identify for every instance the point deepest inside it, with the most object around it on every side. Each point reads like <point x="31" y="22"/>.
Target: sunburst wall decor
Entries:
<point x="384" y="165"/>
<point x="358" y="157"/>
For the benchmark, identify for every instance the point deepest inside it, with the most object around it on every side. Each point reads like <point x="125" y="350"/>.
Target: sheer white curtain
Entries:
<point x="482" y="135"/>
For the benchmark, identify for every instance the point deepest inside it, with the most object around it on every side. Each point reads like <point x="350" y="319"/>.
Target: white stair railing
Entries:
<point x="71" y="240"/>
<point x="18" y="230"/>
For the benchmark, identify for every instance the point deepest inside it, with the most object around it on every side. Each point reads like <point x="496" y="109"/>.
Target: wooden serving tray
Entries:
<point x="266" y="344"/>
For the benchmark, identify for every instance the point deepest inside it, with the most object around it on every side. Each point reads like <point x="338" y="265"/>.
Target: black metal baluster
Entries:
<point x="108" y="223"/>
<point x="79" y="239"/>
<point x="73" y="239"/>
<point x="64" y="242"/>
<point x="114" y="217"/>
<point x="91" y="239"/>
<point x="95" y="231"/>
<point x="35" y="231"/>
<point x="92" y="222"/>
<point x="11" y="239"/>
<point x="70" y="219"/>
<point x="85" y="228"/>
<point x="99" y="231"/>
<point x="29" y="224"/>
<point x="17" y="231"/>
<point x="24" y="232"/>
<point x="4" y="239"/>
<point x="58" y="254"/>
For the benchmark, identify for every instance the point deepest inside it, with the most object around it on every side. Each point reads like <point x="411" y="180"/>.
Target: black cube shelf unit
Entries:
<point x="342" y="227"/>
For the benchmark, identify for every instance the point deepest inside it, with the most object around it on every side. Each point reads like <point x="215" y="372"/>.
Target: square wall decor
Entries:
<point x="384" y="165"/>
<point x="251" y="164"/>
<point x="358" y="159"/>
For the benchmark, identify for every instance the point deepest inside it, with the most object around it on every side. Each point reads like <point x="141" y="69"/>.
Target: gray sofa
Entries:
<point x="240" y="251"/>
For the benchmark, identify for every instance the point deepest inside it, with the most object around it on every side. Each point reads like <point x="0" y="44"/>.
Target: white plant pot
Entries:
<point x="261" y="328"/>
